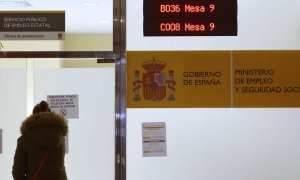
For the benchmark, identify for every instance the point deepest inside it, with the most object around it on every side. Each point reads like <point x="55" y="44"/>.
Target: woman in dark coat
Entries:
<point x="41" y="133"/>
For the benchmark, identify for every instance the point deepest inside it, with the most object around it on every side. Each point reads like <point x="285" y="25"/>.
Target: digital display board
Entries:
<point x="190" y="18"/>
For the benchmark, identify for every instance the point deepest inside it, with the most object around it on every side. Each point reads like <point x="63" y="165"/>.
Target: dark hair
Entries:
<point x="41" y="107"/>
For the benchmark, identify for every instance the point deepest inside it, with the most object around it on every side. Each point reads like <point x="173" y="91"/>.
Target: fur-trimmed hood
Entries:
<point x="46" y="129"/>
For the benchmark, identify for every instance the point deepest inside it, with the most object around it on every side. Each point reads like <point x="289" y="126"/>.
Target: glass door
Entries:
<point x="91" y="117"/>
<point x="88" y="63"/>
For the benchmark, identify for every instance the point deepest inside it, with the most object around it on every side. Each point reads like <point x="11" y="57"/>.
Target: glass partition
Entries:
<point x="91" y="137"/>
<point x="83" y="59"/>
<point x="79" y="25"/>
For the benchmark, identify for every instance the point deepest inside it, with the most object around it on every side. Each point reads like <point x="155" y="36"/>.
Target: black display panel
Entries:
<point x="190" y="18"/>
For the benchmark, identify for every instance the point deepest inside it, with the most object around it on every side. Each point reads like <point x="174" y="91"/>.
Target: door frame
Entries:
<point x="117" y="56"/>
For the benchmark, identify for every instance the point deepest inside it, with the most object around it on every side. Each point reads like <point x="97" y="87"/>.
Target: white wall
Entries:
<point x="221" y="144"/>
<point x="217" y="144"/>
<point x="12" y="111"/>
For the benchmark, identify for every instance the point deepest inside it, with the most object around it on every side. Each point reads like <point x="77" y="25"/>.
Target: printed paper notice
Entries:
<point x="65" y="105"/>
<point x="154" y="139"/>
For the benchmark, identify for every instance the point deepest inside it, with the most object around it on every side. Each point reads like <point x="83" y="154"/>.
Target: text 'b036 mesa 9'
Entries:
<point x="190" y="18"/>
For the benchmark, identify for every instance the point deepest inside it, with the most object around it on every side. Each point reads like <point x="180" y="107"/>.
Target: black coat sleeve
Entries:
<point x="19" y="165"/>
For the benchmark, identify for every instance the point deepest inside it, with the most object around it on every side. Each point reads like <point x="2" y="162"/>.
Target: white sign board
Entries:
<point x="154" y="139"/>
<point x="65" y="105"/>
<point x="0" y="141"/>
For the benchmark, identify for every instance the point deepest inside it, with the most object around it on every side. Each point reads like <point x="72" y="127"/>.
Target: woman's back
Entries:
<point x="42" y="132"/>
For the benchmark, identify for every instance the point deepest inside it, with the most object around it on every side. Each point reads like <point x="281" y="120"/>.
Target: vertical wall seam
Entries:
<point x="29" y="84"/>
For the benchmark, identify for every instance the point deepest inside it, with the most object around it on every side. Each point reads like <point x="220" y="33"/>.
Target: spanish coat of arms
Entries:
<point x="154" y="82"/>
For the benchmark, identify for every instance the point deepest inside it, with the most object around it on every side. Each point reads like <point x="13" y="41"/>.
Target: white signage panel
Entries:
<point x="65" y="105"/>
<point x="154" y="139"/>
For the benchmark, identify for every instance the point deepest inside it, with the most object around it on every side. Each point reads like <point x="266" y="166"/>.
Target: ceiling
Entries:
<point x="82" y="16"/>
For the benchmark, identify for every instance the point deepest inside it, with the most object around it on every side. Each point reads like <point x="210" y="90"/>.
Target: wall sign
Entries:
<point x="190" y="18"/>
<point x="32" y="25"/>
<point x="266" y="79"/>
<point x="65" y="105"/>
<point x="154" y="139"/>
<point x="178" y="79"/>
<point x="195" y="79"/>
